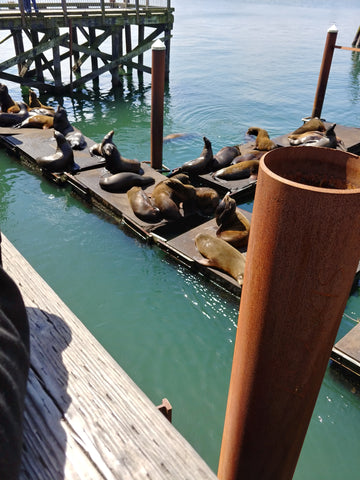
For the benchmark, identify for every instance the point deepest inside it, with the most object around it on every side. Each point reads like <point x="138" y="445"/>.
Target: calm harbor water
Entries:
<point x="233" y="65"/>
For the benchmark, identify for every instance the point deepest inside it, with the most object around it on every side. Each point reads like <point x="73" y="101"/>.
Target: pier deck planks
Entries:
<point x="84" y="417"/>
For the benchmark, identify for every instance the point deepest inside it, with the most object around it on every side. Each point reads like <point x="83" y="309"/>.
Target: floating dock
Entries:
<point x="84" y="417"/>
<point x="176" y="238"/>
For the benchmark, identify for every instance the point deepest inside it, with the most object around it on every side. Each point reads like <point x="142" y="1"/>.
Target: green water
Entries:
<point x="233" y="65"/>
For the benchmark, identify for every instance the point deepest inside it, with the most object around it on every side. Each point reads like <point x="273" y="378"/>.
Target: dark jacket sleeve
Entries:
<point x="14" y="367"/>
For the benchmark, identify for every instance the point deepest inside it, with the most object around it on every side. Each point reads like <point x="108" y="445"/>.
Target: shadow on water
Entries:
<point x="47" y="399"/>
<point x="354" y="77"/>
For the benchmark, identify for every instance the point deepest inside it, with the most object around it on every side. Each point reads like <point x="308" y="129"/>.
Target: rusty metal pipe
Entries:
<point x="324" y="71"/>
<point x="157" y="103"/>
<point x="303" y="252"/>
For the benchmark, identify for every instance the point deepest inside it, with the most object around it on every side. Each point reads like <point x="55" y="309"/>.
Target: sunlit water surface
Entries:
<point x="233" y="65"/>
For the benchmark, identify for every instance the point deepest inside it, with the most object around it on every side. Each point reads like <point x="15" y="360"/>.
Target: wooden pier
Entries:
<point x="82" y="39"/>
<point x="84" y="417"/>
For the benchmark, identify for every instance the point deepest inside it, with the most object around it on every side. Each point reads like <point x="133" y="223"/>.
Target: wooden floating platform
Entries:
<point x="346" y="351"/>
<point x="176" y="238"/>
<point x="84" y="417"/>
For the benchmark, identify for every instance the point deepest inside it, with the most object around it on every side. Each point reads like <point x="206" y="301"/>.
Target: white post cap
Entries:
<point x="158" y="45"/>
<point x="333" y="29"/>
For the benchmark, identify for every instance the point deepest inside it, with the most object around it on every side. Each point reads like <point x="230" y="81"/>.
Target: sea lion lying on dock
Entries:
<point x="123" y="181"/>
<point x="37" y="121"/>
<point x="63" y="158"/>
<point x="72" y="135"/>
<point x="219" y="254"/>
<point x="7" y="104"/>
<point x="316" y="139"/>
<point x="14" y="119"/>
<point x="116" y="163"/>
<point x="199" y="165"/>
<point x="169" y="194"/>
<point x="234" y="227"/>
<point x="206" y="200"/>
<point x="142" y="206"/>
<point x="97" y="148"/>
<point x="224" y="157"/>
<point x="312" y="125"/>
<point x="263" y="141"/>
<point x="238" y="171"/>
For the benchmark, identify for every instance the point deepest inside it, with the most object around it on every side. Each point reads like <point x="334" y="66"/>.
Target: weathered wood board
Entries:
<point x="84" y="417"/>
<point x="346" y="351"/>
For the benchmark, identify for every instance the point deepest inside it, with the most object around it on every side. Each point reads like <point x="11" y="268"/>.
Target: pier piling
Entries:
<point x="157" y="103"/>
<point x="324" y="71"/>
<point x="296" y="284"/>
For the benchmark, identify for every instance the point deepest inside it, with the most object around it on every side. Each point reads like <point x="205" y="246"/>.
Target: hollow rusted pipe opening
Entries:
<point x="315" y="167"/>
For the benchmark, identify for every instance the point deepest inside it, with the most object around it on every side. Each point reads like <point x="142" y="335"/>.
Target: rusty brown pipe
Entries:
<point x="303" y="252"/>
<point x="324" y="71"/>
<point x="157" y="103"/>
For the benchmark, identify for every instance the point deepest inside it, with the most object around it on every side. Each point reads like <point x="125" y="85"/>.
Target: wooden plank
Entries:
<point x="85" y="418"/>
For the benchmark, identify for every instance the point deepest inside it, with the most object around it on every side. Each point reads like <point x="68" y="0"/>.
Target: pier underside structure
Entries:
<point x="66" y="44"/>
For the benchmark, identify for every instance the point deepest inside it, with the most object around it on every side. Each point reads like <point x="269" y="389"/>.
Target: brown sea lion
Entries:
<point x="14" y="119"/>
<point x="316" y="139"/>
<point x="224" y="157"/>
<point x="251" y="155"/>
<point x="234" y="227"/>
<point x="121" y="182"/>
<point x="199" y="165"/>
<point x="34" y="103"/>
<point x="169" y="194"/>
<point x="219" y="254"/>
<point x="37" y="121"/>
<point x="72" y="135"/>
<point x="6" y="102"/>
<point x="116" y="163"/>
<point x="206" y="199"/>
<point x="263" y="141"/>
<point x="63" y="158"/>
<point x="97" y="148"/>
<point x="142" y="206"/>
<point x="312" y="125"/>
<point x="238" y="171"/>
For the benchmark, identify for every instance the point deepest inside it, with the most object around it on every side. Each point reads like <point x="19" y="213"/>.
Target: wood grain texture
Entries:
<point x="85" y="418"/>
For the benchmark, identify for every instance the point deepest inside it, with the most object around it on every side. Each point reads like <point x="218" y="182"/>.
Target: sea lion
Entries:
<point x="8" y="105"/>
<point x="238" y="171"/>
<point x="199" y="165"/>
<point x="206" y="199"/>
<point x="14" y="119"/>
<point x="37" y="121"/>
<point x="169" y="194"/>
<point x="34" y="103"/>
<point x="173" y="136"/>
<point x="312" y="125"/>
<point x="142" y="206"/>
<point x="72" y="135"/>
<point x="63" y="158"/>
<point x="224" y="157"/>
<point x="234" y="227"/>
<point x="123" y="181"/>
<point x="250" y="155"/>
<point x="97" y="148"/>
<point x="316" y="139"/>
<point x="116" y="163"/>
<point x="219" y="254"/>
<point x="263" y="141"/>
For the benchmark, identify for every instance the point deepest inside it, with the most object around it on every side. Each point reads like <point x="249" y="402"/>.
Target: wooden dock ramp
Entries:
<point x="84" y="417"/>
<point x="346" y="351"/>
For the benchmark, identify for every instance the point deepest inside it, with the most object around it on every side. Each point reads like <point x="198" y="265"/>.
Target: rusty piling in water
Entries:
<point x="324" y="71"/>
<point x="303" y="251"/>
<point x="157" y="103"/>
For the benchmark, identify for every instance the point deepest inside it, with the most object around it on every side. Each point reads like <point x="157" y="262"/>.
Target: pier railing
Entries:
<point x="65" y="5"/>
